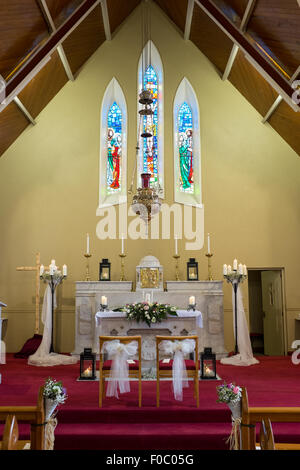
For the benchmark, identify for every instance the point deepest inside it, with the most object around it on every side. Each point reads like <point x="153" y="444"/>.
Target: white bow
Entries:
<point x="179" y="349"/>
<point x="119" y="353"/>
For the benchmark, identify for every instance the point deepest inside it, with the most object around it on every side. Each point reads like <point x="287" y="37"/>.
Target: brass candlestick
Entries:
<point x="209" y="256"/>
<point x="87" y="273"/>
<point x="176" y="257"/>
<point x="122" y="256"/>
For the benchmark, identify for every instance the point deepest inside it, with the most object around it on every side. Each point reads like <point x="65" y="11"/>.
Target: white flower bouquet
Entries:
<point x="55" y="391"/>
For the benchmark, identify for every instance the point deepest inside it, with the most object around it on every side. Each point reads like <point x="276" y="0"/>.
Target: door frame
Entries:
<point x="282" y="271"/>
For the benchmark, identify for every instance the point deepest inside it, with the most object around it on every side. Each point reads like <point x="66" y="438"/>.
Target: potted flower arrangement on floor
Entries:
<point x="231" y="394"/>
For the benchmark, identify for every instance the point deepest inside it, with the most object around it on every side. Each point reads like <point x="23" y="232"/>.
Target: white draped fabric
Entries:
<point x="42" y="356"/>
<point x="2" y="352"/>
<point x="178" y="349"/>
<point x="245" y="356"/>
<point x="119" y="353"/>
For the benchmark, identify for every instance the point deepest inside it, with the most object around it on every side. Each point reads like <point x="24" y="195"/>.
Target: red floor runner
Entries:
<point x="120" y="424"/>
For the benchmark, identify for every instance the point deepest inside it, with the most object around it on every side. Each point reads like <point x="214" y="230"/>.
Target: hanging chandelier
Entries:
<point x="146" y="202"/>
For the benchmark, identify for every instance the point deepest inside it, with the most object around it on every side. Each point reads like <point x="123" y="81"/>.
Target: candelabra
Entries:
<point x="176" y="257"/>
<point x="235" y="278"/>
<point x="53" y="278"/>
<point x="87" y="271"/>
<point x="122" y="276"/>
<point x="209" y="256"/>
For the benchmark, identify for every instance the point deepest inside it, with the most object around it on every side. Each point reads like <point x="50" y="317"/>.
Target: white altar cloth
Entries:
<point x="180" y="313"/>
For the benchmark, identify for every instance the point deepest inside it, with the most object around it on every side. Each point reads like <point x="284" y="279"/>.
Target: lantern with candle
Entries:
<point x="104" y="270"/>
<point x="192" y="270"/>
<point x="87" y="365"/>
<point x="208" y="365"/>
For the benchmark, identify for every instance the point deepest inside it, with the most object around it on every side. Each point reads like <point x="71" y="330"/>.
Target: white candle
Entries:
<point x="64" y="270"/>
<point x="42" y="268"/>
<point x="240" y="268"/>
<point x="235" y="264"/>
<point x="87" y="244"/>
<point x="224" y="269"/>
<point x="148" y="298"/>
<point x="103" y="300"/>
<point x="208" y="244"/>
<point x="176" y="246"/>
<point x="192" y="300"/>
<point x="245" y="270"/>
<point x="228" y="269"/>
<point x="51" y="269"/>
<point x="53" y="262"/>
<point x="122" y="245"/>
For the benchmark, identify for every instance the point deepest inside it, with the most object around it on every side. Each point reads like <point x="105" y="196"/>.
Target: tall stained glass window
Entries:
<point x="185" y="147"/>
<point x="114" y="148"/>
<point x="150" y="153"/>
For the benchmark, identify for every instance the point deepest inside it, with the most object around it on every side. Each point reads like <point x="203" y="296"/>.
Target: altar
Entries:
<point x="209" y="301"/>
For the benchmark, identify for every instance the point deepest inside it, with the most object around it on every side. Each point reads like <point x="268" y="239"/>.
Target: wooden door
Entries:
<point x="272" y="313"/>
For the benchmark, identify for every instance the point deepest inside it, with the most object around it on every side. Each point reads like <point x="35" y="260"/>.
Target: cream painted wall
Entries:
<point x="49" y="183"/>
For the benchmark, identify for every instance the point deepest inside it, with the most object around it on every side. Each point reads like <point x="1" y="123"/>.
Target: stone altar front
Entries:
<point x="209" y="300"/>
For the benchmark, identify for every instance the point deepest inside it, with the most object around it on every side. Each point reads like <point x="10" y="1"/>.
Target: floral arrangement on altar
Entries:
<point x="55" y="391"/>
<point x="229" y="393"/>
<point x="148" y="312"/>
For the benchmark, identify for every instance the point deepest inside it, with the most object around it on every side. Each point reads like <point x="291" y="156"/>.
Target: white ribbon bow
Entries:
<point x="119" y="353"/>
<point x="179" y="349"/>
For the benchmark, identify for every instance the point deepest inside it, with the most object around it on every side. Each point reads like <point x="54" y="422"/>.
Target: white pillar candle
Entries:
<point x="148" y="298"/>
<point x="42" y="269"/>
<point x="103" y="300"/>
<point x="51" y="269"/>
<point x="64" y="270"/>
<point x="228" y="269"/>
<point x="87" y="244"/>
<point x="224" y="269"/>
<point x="235" y="264"/>
<point x="192" y="300"/>
<point x="245" y="270"/>
<point x="208" y="244"/>
<point x="53" y="262"/>
<point x="240" y="268"/>
<point x="176" y="246"/>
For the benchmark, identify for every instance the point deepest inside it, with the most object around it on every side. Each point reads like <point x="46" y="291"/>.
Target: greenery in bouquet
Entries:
<point x="229" y="393"/>
<point x="55" y="391"/>
<point x="148" y="312"/>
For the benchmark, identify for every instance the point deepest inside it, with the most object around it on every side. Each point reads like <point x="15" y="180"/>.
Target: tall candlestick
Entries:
<point x="122" y="245"/>
<point x="208" y="244"/>
<point x="176" y="246"/>
<point x="87" y="244"/>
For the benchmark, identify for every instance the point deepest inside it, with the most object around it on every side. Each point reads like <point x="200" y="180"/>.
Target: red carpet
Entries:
<point x="120" y="424"/>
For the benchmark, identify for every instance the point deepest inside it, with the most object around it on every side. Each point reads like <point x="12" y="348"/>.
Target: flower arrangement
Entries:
<point x="55" y="391"/>
<point x="229" y="393"/>
<point x="148" y="312"/>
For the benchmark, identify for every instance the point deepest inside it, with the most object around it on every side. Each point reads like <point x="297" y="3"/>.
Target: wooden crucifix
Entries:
<point x="35" y="268"/>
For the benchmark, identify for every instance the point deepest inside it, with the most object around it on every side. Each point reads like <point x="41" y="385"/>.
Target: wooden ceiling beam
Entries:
<point x="188" y="19"/>
<point x="42" y="55"/>
<point x="269" y="72"/>
<point x="105" y="18"/>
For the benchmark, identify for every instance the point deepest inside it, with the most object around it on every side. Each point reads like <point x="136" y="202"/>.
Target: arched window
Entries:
<point x="187" y="154"/>
<point x="151" y="156"/>
<point x="113" y="147"/>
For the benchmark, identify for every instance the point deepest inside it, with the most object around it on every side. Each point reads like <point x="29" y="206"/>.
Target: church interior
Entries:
<point x="150" y="201"/>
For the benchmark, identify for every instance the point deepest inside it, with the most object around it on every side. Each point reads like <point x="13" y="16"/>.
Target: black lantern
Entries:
<point x="192" y="270"/>
<point x="87" y="365"/>
<point x="208" y="364"/>
<point x="104" y="270"/>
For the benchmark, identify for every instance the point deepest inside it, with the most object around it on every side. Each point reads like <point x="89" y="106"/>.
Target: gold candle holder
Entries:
<point x="209" y="256"/>
<point x="122" y="256"/>
<point x="176" y="257"/>
<point x="87" y="272"/>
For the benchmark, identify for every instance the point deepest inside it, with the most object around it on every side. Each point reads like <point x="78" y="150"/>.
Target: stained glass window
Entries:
<point x="185" y="146"/>
<point x="150" y="154"/>
<point x="114" y="148"/>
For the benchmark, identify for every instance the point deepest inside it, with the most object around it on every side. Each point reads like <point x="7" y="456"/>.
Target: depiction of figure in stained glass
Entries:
<point x="150" y="157"/>
<point x="185" y="145"/>
<point x="114" y="147"/>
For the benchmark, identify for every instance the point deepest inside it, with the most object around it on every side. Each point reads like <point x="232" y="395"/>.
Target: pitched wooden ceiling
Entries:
<point x="255" y="44"/>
